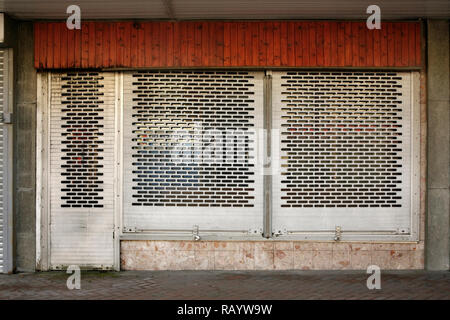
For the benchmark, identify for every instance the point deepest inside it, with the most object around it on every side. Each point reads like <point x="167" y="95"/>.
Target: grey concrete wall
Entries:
<point x="24" y="149"/>
<point x="438" y="213"/>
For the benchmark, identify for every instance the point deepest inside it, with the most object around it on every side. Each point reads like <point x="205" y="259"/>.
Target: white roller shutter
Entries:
<point x="5" y="163"/>
<point x="347" y="151"/>
<point x="81" y="179"/>
<point x="189" y="148"/>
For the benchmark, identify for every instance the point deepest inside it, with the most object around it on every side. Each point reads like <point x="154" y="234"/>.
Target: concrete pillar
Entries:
<point x="438" y="208"/>
<point x="25" y="150"/>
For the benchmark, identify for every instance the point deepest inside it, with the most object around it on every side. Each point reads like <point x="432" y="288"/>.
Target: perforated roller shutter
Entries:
<point x="6" y="264"/>
<point x="2" y="211"/>
<point x="81" y="169"/>
<point x="190" y="149"/>
<point x="346" y="152"/>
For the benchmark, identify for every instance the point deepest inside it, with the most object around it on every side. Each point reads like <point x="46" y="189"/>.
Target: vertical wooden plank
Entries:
<point x="234" y="44"/>
<point x="212" y="39"/>
<point x="299" y="44"/>
<point x="269" y="43"/>
<point x="405" y="44"/>
<point x="291" y="32"/>
<point x="77" y="48"/>
<point x="241" y="44"/>
<point x="176" y="44"/>
<point x="113" y="43"/>
<point x="376" y="47"/>
<point x="205" y="44"/>
<point x="262" y="48"/>
<point x="70" y="48"/>
<point x="227" y="44"/>
<point x="155" y="44"/>
<point x="384" y="45"/>
<point x="327" y="43"/>
<point x="355" y="44"/>
<point x="283" y="44"/>
<point x="197" y="43"/>
<point x="64" y="46"/>
<point x="106" y="43"/>
<point x="313" y="44"/>
<point x="320" y="43"/>
<point x="276" y="44"/>
<point x="304" y="45"/>
<point x="398" y="44"/>
<point x="91" y="61"/>
<point x="120" y="44"/>
<point x="341" y="44"/>
<point x="141" y="45"/>
<point x="362" y="29"/>
<point x="56" y="46"/>
<point x="369" y="47"/>
<point x="418" y="46"/>
<point x="134" y="45"/>
<point x="248" y="44"/>
<point x="411" y="44"/>
<point x="348" y="39"/>
<point x="184" y="44"/>
<point x="98" y="45"/>
<point x="162" y="44"/>
<point x="49" y="57"/>
<point x="334" y="52"/>
<point x="219" y="44"/>
<point x="255" y="43"/>
<point x="390" y="44"/>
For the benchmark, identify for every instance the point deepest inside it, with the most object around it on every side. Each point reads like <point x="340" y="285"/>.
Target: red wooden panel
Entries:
<point x="418" y="46"/>
<point x="220" y="44"/>
<point x="262" y="49"/>
<point x="276" y="44"/>
<point x="291" y="43"/>
<point x="98" y="53"/>
<point x="362" y="31"/>
<point x="327" y="55"/>
<point x="384" y="45"/>
<point x="398" y="44"/>
<point x="348" y="44"/>
<point x="341" y="44"/>
<point x="355" y="44"/>
<point x="50" y="48"/>
<point x="176" y="44"/>
<point x="64" y="46"/>
<point x="197" y="44"/>
<point x="227" y="44"/>
<point x="91" y="45"/>
<point x="304" y="45"/>
<point x="234" y="44"/>
<point x="269" y="43"/>
<point x="377" y="47"/>
<point x="312" y="43"/>
<point x="255" y="43"/>
<point x="237" y="44"/>
<point x="320" y="43"/>
<point x="248" y="44"/>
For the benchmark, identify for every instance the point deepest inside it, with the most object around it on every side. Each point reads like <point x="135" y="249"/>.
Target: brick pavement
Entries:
<point x="254" y="285"/>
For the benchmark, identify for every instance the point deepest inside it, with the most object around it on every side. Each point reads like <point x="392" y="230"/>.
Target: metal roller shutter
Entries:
<point x="82" y="169"/>
<point x="5" y="162"/>
<point x="189" y="148"/>
<point x="347" y="152"/>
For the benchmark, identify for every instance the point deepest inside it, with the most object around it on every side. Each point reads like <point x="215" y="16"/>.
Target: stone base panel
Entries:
<point x="269" y="255"/>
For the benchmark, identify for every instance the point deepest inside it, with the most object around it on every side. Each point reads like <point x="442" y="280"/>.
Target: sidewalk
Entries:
<point x="227" y="285"/>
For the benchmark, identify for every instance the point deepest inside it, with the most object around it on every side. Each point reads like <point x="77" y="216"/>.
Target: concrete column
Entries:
<point x="438" y="209"/>
<point x="25" y="150"/>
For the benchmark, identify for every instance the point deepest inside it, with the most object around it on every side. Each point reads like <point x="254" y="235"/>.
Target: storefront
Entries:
<point x="177" y="145"/>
